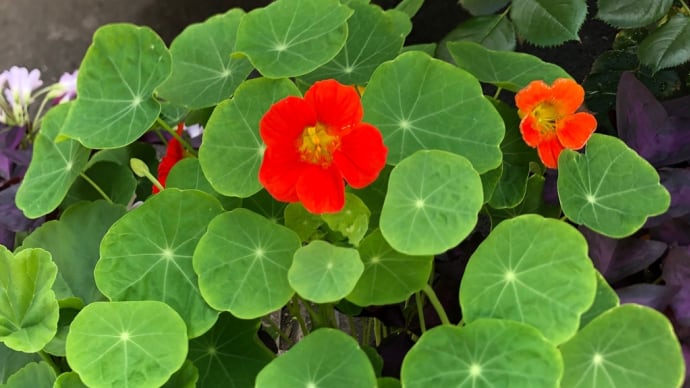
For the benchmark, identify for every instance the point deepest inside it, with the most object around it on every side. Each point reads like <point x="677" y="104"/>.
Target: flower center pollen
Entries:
<point x="317" y="145"/>
<point x="547" y="116"/>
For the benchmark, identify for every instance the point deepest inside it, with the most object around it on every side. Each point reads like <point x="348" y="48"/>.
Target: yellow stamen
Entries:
<point x="547" y="116"/>
<point x="316" y="145"/>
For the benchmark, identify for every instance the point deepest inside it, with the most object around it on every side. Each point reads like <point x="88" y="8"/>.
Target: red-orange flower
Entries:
<point x="173" y="154"/>
<point x="550" y="122"/>
<point x="315" y="142"/>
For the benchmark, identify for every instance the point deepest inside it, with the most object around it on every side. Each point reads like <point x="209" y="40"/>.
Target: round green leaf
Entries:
<point x="628" y="346"/>
<point x="325" y="358"/>
<point x="53" y="168"/>
<point x="389" y="276"/>
<point x="147" y="255"/>
<point x="12" y="361"/>
<point x="203" y="72"/>
<point x="486" y="353"/>
<point x="126" y="344"/>
<point x="632" y="14"/>
<point x="423" y="103"/>
<point x="243" y="261"/>
<point x="604" y="300"/>
<point x="73" y="242"/>
<point x="668" y="45"/>
<point x="548" y="22"/>
<point x="609" y="188"/>
<point x="230" y="354"/>
<point x="69" y="380"/>
<point x="304" y="223"/>
<point x="324" y="273"/>
<point x="432" y="203"/>
<point x="34" y="375"/>
<point x="352" y="221"/>
<point x="117" y="77"/>
<point x="373" y="37"/>
<point x="28" y="308"/>
<point x="533" y="270"/>
<point x="509" y="70"/>
<point x="187" y="174"/>
<point x="290" y="38"/>
<point x="231" y="150"/>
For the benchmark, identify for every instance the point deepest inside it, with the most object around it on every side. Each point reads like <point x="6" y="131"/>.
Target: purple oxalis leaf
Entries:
<point x="652" y="295"/>
<point x="674" y="231"/>
<point x="11" y="217"/>
<point x="677" y="182"/>
<point x="617" y="259"/>
<point x="676" y="273"/>
<point x="646" y="126"/>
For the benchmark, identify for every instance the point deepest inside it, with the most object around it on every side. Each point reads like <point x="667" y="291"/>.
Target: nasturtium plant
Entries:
<point x="304" y="195"/>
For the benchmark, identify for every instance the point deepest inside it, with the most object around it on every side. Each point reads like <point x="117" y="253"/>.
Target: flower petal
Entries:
<point x="548" y="151"/>
<point x="573" y="131"/>
<point x="279" y="172"/>
<point x="336" y="105"/>
<point x="321" y="190"/>
<point x="530" y="131"/>
<point x="361" y="155"/>
<point x="567" y="95"/>
<point x="285" y="121"/>
<point x="531" y="95"/>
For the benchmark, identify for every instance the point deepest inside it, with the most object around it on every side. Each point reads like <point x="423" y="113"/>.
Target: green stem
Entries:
<point x="96" y="186"/>
<point x="498" y="92"/>
<point x="351" y="322"/>
<point x="174" y="134"/>
<point x="295" y="312"/>
<point x="377" y="332"/>
<point x="685" y="7"/>
<point x="37" y="118"/>
<point x="366" y="332"/>
<point x="420" y="311"/>
<point x="48" y="359"/>
<point x="433" y="299"/>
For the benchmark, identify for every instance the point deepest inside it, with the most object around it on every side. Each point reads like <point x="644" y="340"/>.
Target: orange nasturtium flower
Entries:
<point x="315" y="142"/>
<point x="550" y="122"/>
<point x="173" y="154"/>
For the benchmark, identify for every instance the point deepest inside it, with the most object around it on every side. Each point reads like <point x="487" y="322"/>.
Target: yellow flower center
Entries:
<point x="547" y="116"/>
<point x="316" y="145"/>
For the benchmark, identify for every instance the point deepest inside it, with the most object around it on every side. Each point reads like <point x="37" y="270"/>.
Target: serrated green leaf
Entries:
<point x="137" y="344"/>
<point x="231" y="150"/>
<point x="494" y="32"/>
<point x="548" y="22"/>
<point x="483" y="7"/>
<point x="510" y="71"/>
<point x="53" y="168"/>
<point x="418" y="102"/>
<point x="289" y="38"/>
<point x="668" y="45"/>
<point x="374" y="36"/>
<point x="534" y="270"/>
<point x="203" y="72"/>
<point x="28" y="308"/>
<point x="632" y="14"/>
<point x="609" y="188"/>
<point x="117" y="77"/>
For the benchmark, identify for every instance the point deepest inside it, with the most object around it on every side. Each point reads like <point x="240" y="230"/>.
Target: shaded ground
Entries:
<point x="53" y="35"/>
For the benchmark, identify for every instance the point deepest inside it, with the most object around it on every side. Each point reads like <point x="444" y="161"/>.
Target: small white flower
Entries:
<point x="194" y="130"/>
<point x="17" y="84"/>
<point x="66" y="88"/>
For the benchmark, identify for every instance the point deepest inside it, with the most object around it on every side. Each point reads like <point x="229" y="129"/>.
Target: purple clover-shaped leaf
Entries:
<point x="677" y="182"/>
<point x="617" y="259"/>
<point x="652" y="295"/>
<point x="645" y="124"/>
<point x="676" y="273"/>
<point x="673" y="231"/>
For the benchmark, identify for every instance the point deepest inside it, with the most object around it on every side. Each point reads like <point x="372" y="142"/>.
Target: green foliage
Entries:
<point x="632" y="14"/>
